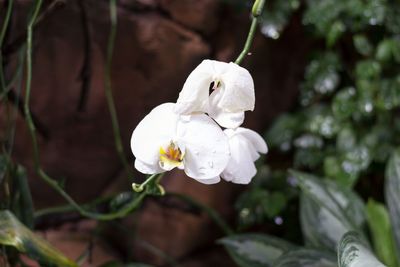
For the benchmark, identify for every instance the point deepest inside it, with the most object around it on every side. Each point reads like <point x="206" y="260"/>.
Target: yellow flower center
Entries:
<point x="171" y="157"/>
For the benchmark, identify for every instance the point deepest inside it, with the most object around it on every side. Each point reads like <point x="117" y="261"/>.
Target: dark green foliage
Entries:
<point x="346" y="123"/>
<point x="346" y="127"/>
<point x="334" y="223"/>
<point x="348" y="104"/>
<point x="266" y="198"/>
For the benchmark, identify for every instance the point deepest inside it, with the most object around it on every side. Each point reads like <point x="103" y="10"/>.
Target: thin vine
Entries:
<point x="108" y="88"/>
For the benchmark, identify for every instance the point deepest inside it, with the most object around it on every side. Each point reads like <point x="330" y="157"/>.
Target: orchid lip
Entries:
<point x="171" y="156"/>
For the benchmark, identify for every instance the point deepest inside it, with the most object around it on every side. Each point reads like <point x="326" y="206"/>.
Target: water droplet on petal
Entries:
<point x="185" y="118"/>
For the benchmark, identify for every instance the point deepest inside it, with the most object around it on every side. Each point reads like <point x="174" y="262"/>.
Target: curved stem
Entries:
<point x="108" y="89"/>
<point x="248" y="43"/>
<point x="93" y="215"/>
<point x="140" y="187"/>
<point x="27" y="112"/>
<point x="6" y="21"/>
<point x="258" y="6"/>
<point x="210" y="211"/>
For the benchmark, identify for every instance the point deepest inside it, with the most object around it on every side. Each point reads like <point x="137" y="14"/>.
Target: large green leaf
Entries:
<point x="306" y="258"/>
<point x="352" y="252"/>
<point x="255" y="250"/>
<point x="327" y="211"/>
<point x="381" y="231"/>
<point x="13" y="233"/>
<point x="392" y="195"/>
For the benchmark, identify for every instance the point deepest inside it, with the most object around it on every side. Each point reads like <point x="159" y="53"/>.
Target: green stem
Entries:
<point x="258" y="6"/>
<point x="140" y="187"/>
<point x="28" y="115"/>
<point x="17" y="75"/>
<point x="3" y="88"/>
<point x="93" y="215"/>
<point x="31" y="127"/>
<point x="108" y="89"/>
<point x="69" y="208"/>
<point x="2" y="35"/>
<point x="6" y="21"/>
<point x="210" y="211"/>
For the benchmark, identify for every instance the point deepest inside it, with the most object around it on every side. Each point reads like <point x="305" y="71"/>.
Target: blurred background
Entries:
<point x="331" y="67"/>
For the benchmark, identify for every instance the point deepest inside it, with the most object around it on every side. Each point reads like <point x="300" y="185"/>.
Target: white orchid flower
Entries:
<point x="232" y="92"/>
<point x="164" y="140"/>
<point x="245" y="146"/>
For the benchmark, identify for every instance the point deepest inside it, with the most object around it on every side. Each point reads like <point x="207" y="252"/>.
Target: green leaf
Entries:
<point x="324" y="124"/>
<point x="275" y="18"/>
<point x="306" y="258"/>
<point x="389" y="94"/>
<point x="392" y="195"/>
<point x="335" y="32"/>
<point x="255" y="250"/>
<point x="327" y="211"/>
<point x="362" y="45"/>
<point x="384" y="50"/>
<point x="368" y="69"/>
<point x="333" y="169"/>
<point x="346" y="140"/>
<point x="322" y="74"/>
<point x="365" y="98"/>
<point x="14" y="233"/>
<point x="309" y="158"/>
<point x="274" y="204"/>
<point x="381" y="231"/>
<point x="282" y="131"/>
<point x="344" y="105"/>
<point x="352" y="252"/>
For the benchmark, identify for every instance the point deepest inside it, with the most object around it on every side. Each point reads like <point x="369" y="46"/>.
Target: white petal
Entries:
<point x="206" y="147"/>
<point x="241" y="168"/>
<point x="254" y="139"/>
<point x="157" y="129"/>
<point x="239" y="90"/>
<point x="213" y="180"/>
<point x="147" y="168"/>
<point x="245" y="146"/>
<point x="195" y="91"/>
<point x="226" y="119"/>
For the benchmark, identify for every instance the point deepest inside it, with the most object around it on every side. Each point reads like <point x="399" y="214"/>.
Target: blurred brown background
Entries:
<point x="158" y="44"/>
